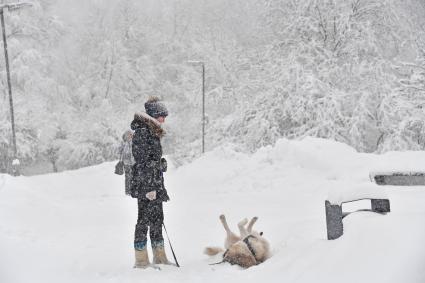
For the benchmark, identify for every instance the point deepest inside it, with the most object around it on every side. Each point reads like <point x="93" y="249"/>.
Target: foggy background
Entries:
<point x="352" y="71"/>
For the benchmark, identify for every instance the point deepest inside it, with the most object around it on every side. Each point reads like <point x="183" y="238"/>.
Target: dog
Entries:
<point x="246" y="250"/>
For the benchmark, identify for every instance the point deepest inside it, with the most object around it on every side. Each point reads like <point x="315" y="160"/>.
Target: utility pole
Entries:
<point x="11" y="7"/>
<point x="202" y="64"/>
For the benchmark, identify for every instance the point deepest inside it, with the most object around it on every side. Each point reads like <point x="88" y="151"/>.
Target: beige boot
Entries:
<point x="159" y="256"/>
<point x="142" y="258"/>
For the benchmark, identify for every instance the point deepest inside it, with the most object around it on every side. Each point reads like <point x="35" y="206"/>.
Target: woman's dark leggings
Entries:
<point x="150" y="215"/>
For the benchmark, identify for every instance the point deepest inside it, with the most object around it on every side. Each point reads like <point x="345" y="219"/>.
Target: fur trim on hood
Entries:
<point x="151" y="122"/>
<point x="125" y="137"/>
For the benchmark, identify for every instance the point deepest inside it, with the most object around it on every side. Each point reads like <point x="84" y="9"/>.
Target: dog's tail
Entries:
<point x="212" y="250"/>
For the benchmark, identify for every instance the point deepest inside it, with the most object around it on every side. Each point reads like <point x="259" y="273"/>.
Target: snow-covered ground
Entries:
<point x="77" y="226"/>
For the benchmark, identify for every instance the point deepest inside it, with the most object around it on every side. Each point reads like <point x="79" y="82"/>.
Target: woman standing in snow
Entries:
<point x="147" y="184"/>
<point x="126" y="156"/>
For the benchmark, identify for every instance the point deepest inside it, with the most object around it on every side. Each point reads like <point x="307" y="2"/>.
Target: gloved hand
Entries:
<point x="151" y="195"/>
<point x="163" y="165"/>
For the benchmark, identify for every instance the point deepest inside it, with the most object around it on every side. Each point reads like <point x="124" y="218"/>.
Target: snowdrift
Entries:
<point x="77" y="226"/>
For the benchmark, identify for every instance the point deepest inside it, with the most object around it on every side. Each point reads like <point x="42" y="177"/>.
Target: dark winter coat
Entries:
<point x="147" y="153"/>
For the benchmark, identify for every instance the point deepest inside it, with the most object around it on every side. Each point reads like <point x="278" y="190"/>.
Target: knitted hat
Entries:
<point x="154" y="108"/>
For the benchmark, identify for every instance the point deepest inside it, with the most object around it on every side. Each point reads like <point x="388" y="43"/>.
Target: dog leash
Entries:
<point x="174" y="255"/>
<point x="223" y="261"/>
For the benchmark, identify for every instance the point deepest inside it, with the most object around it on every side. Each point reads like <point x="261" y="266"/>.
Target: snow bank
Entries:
<point x="77" y="226"/>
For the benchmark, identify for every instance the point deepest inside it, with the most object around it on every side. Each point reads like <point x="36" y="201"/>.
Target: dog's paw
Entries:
<point x="243" y="222"/>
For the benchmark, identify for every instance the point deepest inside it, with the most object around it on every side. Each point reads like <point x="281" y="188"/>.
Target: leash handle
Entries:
<point x="174" y="255"/>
